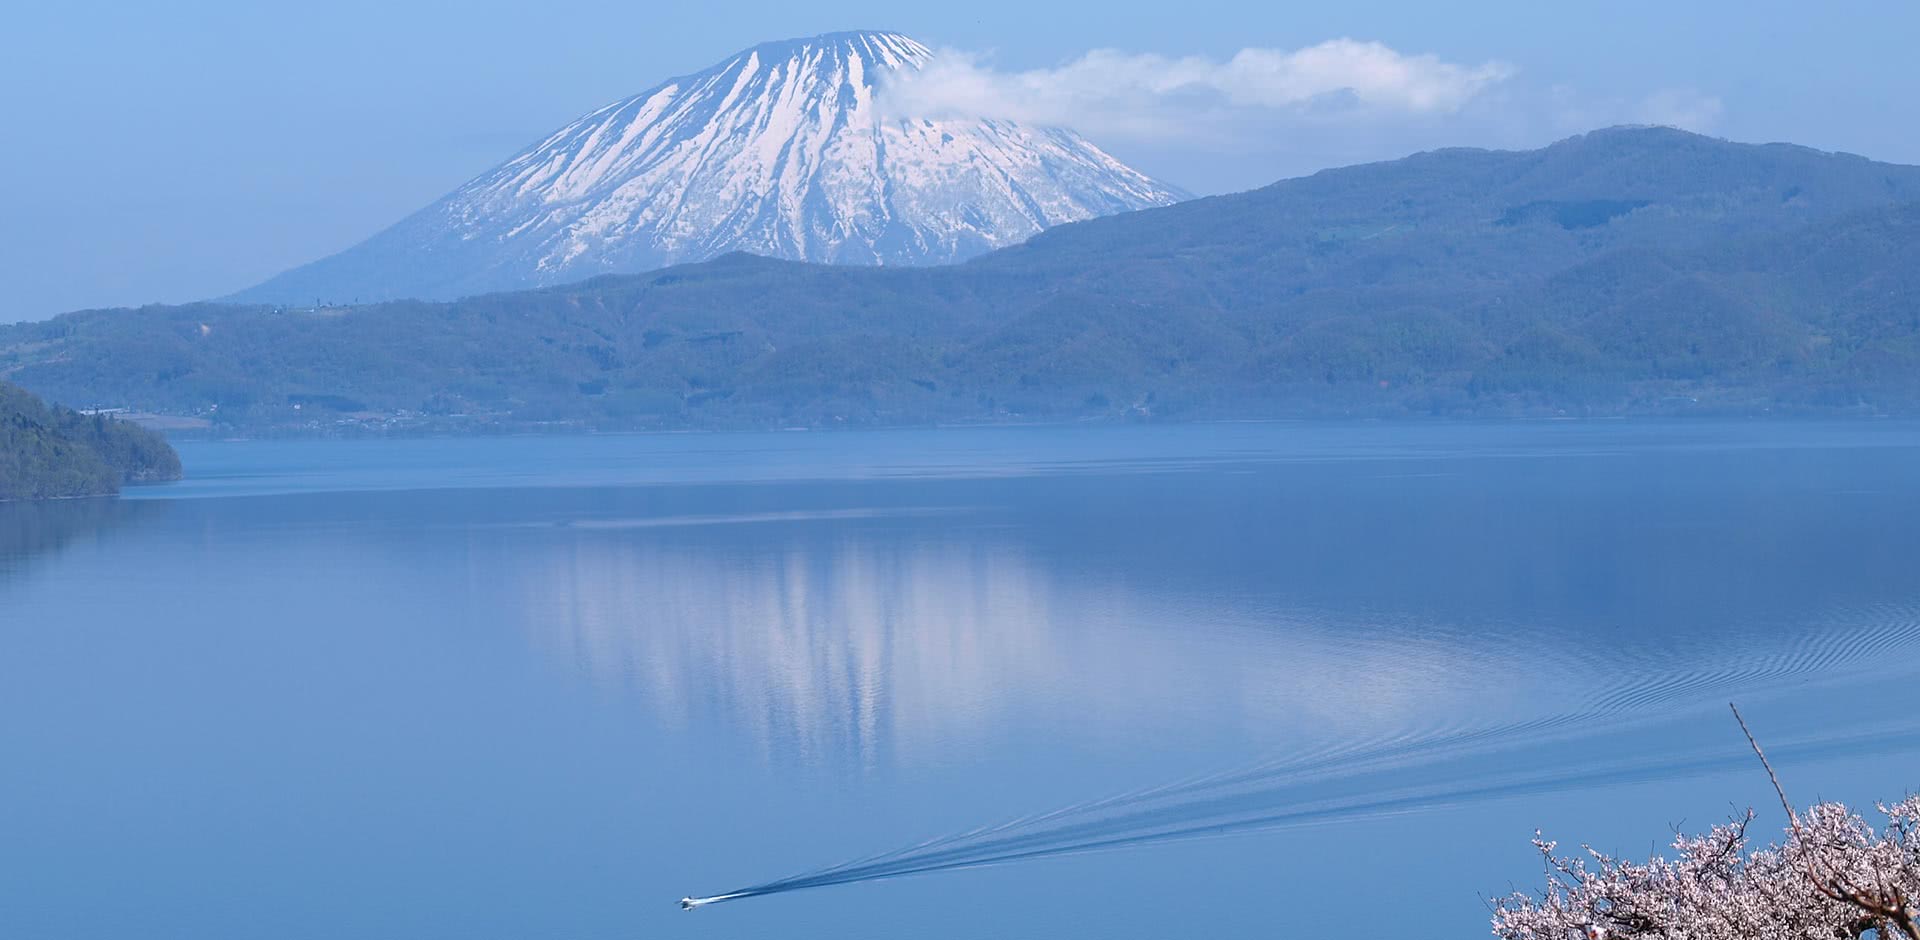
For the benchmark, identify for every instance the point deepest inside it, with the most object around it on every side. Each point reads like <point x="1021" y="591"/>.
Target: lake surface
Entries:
<point x="544" y="687"/>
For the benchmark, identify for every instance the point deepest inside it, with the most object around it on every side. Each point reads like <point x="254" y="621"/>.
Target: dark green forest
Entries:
<point x="1626" y="271"/>
<point x="47" y="451"/>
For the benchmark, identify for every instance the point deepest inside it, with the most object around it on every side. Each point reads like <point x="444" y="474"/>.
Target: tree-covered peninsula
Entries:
<point x="48" y="452"/>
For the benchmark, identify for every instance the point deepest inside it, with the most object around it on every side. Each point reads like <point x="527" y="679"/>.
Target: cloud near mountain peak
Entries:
<point x="1151" y="95"/>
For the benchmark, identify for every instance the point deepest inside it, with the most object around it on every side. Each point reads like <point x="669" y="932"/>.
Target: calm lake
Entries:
<point x="544" y="687"/>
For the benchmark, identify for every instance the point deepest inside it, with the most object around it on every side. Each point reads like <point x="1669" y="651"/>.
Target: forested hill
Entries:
<point x="1633" y="270"/>
<point x="48" y="451"/>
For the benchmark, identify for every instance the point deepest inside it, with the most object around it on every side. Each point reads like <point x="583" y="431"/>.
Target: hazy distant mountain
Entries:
<point x="1634" y="270"/>
<point x="781" y="151"/>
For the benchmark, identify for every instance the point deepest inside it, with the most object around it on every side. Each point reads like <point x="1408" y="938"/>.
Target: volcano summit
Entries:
<point x="780" y="150"/>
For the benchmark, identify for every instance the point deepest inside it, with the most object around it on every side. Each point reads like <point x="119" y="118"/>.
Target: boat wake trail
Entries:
<point x="1597" y="742"/>
<point x="1278" y="796"/>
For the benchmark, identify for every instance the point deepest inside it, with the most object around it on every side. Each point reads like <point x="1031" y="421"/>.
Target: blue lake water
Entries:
<point x="544" y="687"/>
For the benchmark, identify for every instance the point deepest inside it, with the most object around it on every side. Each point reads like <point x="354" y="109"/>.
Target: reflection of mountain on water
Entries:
<point x="34" y="529"/>
<point x="886" y="646"/>
<point x="848" y="637"/>
<point x="849" y="646"/>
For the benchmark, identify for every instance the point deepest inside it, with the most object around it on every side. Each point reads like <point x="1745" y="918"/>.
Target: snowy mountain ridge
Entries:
<point x="779" y="151"/>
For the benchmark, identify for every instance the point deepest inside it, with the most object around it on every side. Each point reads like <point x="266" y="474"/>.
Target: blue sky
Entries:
<point x="162" y="153"/>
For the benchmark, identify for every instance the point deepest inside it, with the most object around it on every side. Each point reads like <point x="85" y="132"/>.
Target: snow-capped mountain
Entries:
<point x="781" y="150"/>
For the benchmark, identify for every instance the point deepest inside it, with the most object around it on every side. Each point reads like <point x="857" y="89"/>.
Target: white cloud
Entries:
<point x="1220" y="124"/>
<point x="1149" y="96"/>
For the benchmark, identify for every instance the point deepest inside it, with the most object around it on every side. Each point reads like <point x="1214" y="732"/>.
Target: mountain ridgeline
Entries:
<point x="786" y="150"/>
<point x="48" y="452"/>
<point x="1632" y="270"/>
